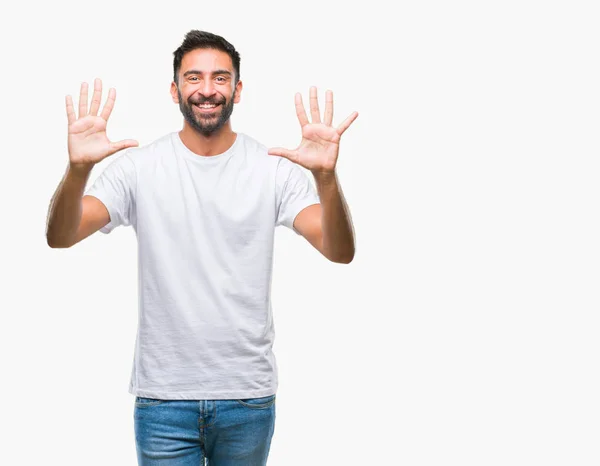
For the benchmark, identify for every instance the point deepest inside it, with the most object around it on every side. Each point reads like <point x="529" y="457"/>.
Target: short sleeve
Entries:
<point x="294" y="193"/>
<point x="115" y="187"/>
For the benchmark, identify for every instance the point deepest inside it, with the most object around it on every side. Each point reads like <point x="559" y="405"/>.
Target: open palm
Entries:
<point x="87" y="140"/>
<point x="318" y="151"/>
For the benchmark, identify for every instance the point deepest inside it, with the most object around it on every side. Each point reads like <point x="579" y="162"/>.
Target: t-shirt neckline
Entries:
<point x="205" y="159"/>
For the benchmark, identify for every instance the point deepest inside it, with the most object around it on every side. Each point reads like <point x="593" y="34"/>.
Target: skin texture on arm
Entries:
<point x="94" y="216"/>
<point x="328" y="227"/>
<point x="72" y="218"/>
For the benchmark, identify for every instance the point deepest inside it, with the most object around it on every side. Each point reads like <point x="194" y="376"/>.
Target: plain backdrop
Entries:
<point x="466" y="330"/>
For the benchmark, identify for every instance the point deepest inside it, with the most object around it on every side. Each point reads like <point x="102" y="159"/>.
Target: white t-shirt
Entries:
<point x="205" y="230"/>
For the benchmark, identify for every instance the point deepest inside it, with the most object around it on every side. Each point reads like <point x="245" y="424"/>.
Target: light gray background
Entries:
<point x="465" y="332"/>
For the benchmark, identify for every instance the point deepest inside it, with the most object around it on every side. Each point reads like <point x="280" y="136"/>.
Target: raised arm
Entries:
<point x="71" y="217"/>
<point x="328" y="225"/>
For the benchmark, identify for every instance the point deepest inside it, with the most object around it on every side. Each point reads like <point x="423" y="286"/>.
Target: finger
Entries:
<point x="280" y="151"/>
<point x="83" y="100"/>
<point x="110" y="103"/>
<point x="71" y="117"/>
<point x="96" y="96"/>
<point x="328" y="108"/>
<point x="346" y="123"/>
<point x="314" y="106"/>
<point x="124" y="144"/>
<point x="300" y="112"/>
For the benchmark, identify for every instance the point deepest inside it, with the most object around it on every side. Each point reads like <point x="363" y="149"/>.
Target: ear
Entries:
<point x="174" y="93"/>
<point x="238" y="92"/>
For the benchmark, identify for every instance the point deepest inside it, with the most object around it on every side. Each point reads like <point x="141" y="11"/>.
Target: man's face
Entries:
<point x="206" y="92"/>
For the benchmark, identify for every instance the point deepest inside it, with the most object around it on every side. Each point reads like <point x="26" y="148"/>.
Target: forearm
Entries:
<point x="64" y="213"/>
<point x="338" y="231"/>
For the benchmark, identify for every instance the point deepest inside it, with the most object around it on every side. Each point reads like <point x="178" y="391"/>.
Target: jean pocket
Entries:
<point x="257" y="403"/>
<point x="142" y="402"/>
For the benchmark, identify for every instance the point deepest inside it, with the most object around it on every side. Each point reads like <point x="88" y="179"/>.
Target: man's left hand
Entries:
<point x="319" y="148"/>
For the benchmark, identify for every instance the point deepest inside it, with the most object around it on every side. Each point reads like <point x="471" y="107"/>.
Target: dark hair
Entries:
<point x="195" y="39"/>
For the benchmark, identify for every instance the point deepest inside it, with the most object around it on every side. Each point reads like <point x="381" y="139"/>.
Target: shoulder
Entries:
<point x="158" y="145"/>
<point x="260" y="151"/>
<point x="148" y="153"/>
<point x="251" y="146"/>
<point x="256" y="155"/>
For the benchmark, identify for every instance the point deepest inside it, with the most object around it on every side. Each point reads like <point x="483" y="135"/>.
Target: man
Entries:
<point x="204" y="203"/>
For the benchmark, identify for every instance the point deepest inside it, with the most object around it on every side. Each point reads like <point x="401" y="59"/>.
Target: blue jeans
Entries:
<point x="199" y="432"/>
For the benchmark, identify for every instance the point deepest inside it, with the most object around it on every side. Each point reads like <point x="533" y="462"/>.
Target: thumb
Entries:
<point x="280" y="151"/>
<point x="124" y="144"/>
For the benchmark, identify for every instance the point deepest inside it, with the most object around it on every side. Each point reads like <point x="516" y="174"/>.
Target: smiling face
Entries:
<point x="206" y="90"/>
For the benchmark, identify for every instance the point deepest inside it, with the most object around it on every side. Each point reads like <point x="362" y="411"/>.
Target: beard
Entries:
<point x="206" y="124"/>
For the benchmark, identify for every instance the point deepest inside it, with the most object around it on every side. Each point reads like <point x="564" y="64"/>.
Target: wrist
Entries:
<point x="325" y="176"/>
<point x="80" y="169"/>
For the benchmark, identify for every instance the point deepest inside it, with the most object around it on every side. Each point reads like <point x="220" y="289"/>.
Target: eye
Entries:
<point x="193" y="78"/>
<point x="221" y="78"/>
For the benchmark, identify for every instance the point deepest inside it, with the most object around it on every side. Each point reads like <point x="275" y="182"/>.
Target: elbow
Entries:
<point x="342" y="259"/>
<point x="51" y="242"/>
<point x="56" y="244"/>
<point x="349" y="257"/>
<point x="340" y="256"/>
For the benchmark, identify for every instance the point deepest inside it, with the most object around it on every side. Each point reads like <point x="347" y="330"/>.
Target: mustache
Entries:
<point x="206" y="101"/>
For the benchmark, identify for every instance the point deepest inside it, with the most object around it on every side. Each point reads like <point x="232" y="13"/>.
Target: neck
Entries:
<point x="215" y="144"/>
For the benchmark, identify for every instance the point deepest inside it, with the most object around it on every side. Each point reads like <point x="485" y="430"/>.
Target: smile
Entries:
<point x="206" y="108"/>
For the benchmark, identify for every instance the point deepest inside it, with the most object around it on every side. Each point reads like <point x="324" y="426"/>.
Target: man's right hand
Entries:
<point x="88" y="143"/>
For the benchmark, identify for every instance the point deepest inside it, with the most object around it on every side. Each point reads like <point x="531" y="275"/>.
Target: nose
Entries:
<point x="207" y="89"/>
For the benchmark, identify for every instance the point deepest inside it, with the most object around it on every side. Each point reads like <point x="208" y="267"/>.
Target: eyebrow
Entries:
<point x="187" y="73"/>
